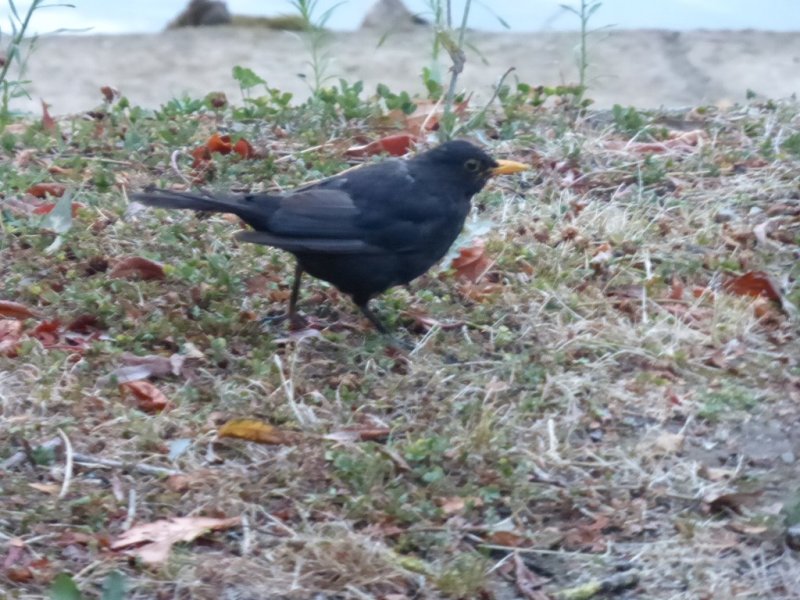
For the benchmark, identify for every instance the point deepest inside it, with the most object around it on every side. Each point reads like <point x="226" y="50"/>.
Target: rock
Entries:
<point x="391" y="15"/>
<point x="202" y="13"/>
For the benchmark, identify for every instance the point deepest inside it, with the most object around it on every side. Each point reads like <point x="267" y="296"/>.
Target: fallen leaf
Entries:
<point x="219" y="143"/>
<point x="41" y="190"/>
<point x="46" y="209"/>
<point x="257" y="431"/>
<point x="135" y="267"/>
<point x="149" y="398"/>
<point x="669" y="443"/>
<point x="47" y="332"/>
<point x="154" y="540"/>
<point x="10" y="335"/>
<point x="735" y="501"/>
<point x="48" y="123"/>
<point x="508" y="539"/>
<point x="472" y="262"/>
<point x="753" y="283"/>
<point x="394" y="145"/>
<point x="244" y="149"/>
<point x="15" y="310"/>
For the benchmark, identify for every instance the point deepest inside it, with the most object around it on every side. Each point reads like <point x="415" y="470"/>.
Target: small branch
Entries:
<point x="68" y="465"/>
<point x="85" y="459"/>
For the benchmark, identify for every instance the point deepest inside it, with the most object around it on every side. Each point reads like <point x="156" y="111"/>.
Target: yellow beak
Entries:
<point x="506" y="167"/>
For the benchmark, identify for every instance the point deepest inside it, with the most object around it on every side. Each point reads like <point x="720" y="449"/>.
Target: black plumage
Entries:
<point x="364" y="230"/>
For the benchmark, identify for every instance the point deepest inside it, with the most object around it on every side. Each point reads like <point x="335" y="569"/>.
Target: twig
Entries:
<point x="85" y="459"/>
<point x="131" y="515"/>
<point x="68" y="464"/>
<point x="173" y="161"/>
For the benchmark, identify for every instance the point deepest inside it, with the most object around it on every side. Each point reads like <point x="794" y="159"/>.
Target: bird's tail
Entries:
<point x="186" y="200"/>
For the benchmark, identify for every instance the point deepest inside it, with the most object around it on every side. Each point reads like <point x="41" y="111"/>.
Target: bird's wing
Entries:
<point x="313" y="220"/>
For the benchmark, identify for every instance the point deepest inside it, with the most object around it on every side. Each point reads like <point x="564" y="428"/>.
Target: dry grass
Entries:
<point x="601" y="403"/>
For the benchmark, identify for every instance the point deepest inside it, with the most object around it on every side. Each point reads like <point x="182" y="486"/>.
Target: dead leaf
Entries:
<point x="735" y="501"/>
<point x="243" y="148"/>
<point x="15" y="310"/>
<point x="472" y="262"/>
<point x="669" y="443"/>
<point x="10" y="335"/>
<point x="42" y="190"/>
<point x="394" y="145"/>
<point x="753" y="283"/>
<point x="508" y="539"/>
<point x="149" y="398"/>
<point x="48" y="123"/>
<point x="136" y="267"/>
<point x="153" y="541"/>
<point x="257" y="431"/>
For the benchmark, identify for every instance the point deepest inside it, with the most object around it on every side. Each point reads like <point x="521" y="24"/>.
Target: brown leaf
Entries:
<point x="394" y="145"/>
<point x="257" y="431"/>
<point x="219" y="143"/>
<point x="135" y="267"/>
<point x="148" y="397"/>
<point x="41" y="190"/>
<point x="48" y="123"/>
<point x="46" y="209"/>
<point x="154" y="540"/>
<point x="508" y="539"/>
<point x="472" y="262"/>
<point x="244" y="149"/>
<point x="15" y="310"/>
<point x="734" y="501"/>
<point x="753" y="283"/>
<point x="10" y="334"/>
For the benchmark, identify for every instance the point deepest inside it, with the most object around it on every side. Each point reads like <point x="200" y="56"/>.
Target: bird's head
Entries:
<point x="461" y="161"/>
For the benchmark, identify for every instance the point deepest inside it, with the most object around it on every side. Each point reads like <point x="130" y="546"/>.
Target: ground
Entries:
<point x="604" y="389"/>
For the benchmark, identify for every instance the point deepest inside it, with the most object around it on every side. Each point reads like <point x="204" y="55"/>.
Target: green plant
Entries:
<point x="584" y="13"/>
<point x="14" y="54"/>
<point x="316" y="39"/>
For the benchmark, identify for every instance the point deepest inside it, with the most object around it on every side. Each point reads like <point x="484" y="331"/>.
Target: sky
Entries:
<point x="117" y="16"/>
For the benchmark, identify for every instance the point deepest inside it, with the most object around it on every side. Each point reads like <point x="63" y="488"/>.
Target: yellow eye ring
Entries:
<point x="472" y="165"/>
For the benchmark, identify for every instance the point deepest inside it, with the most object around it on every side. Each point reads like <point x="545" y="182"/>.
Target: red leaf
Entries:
<point x="472" y="263"/>
<point x="44" y="209"/>
<point x="84" y="324"/>
<point x="395" y="145"/>
<point x="40" y="190"/>
<point x="47" y="333"/>
<point x="244" y="149"/>
<point x="201" y="155"/>
<point x="48" y="123"/>
<point x="15" y="310"/>
<point x="753" y="283"/>
<point x="148" y="397"/>
<point x="219" y="143"/>
<point x="137" y="267"/>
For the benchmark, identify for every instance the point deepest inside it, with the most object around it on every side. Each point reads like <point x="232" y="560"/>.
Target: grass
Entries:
<point x="579" y="410"/>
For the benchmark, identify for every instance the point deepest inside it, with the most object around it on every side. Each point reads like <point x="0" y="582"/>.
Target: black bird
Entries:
<point x="364" y="230"/>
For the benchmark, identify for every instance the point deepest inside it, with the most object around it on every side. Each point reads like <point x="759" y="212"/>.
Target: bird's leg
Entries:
<point x="378" y="324"/>
<point x="373" y="318"/>
<point x="295" y="320"/>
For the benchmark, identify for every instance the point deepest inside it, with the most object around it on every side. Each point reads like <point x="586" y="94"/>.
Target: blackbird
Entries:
<point x="364" y="230"/>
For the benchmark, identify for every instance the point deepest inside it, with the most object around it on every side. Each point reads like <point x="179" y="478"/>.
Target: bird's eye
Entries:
<point x="472" y="165"/>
